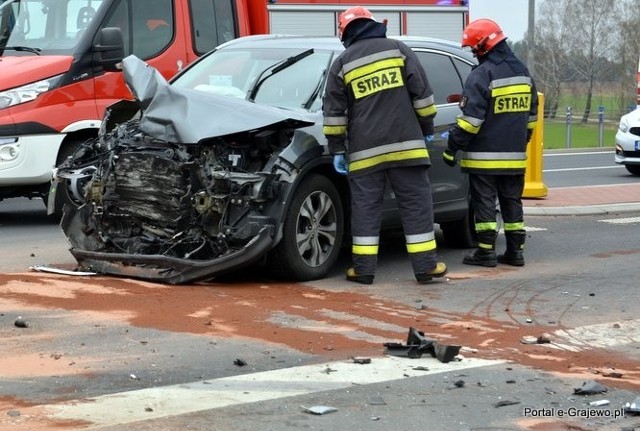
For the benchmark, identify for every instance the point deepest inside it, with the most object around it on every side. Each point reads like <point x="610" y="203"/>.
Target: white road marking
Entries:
<point x="604" y="335"/>
<point x="627" y="220"/>
<point x="586" y="168"/>
<point x="153" y="403"/>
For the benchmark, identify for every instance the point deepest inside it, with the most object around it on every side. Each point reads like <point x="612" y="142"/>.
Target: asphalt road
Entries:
<point x="248" y="352"/>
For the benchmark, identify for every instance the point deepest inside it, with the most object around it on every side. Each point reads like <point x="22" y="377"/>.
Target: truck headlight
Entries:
<point x="27" y="93"/>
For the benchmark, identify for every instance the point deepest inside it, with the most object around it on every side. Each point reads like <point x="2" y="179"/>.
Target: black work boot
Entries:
<point x="481" y="257"/>
<point x="514" y="258"/>
<point x="353" y="276"/>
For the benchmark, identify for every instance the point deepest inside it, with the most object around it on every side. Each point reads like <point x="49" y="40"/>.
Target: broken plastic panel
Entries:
<point x="418" y="344"/>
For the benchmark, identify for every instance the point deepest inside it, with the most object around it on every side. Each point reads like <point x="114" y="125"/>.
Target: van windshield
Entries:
<point x="28" y="27"/>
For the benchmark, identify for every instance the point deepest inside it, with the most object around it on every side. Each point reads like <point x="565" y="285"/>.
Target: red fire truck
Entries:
<point x="54" y="89"/>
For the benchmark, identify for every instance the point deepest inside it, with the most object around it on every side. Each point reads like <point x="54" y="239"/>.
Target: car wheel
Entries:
<point x="313" y="232"/>
<point x="69" y="191"/>
<point x="633" y="169"/>
<point x="460" y="233"/>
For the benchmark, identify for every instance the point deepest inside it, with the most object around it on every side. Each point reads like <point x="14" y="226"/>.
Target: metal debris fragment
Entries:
<point x="590" y="387"/>
<point x="319" y="410"/>
<point x="21" y="323"/>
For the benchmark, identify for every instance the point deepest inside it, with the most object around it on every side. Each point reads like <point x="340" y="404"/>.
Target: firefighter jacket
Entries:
<point x="378" y="104"/>
<point x="499" y="111"/>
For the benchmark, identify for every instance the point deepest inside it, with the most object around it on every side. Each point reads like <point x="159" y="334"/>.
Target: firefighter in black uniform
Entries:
<point x="499" y="112"/>
<point x="378" y="112"/>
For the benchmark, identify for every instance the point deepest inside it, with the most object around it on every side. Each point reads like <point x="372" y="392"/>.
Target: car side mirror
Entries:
<point x="454" y="98"/>
<point x="109" y="49"/>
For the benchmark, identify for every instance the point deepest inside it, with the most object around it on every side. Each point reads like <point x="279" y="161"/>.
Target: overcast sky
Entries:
<point x="511" y="15"/>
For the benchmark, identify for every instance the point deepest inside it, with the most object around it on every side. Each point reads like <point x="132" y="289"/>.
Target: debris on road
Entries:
<point x="589" y="388"/>
<point x="505" y="403"/>
<point x="240" y="362"/>
<point x="633" y="408"/>
<point x="417" y="345"/>
<point x="53" y="270"/>
<point x="21" y="323"/>
<point x="361" y="360"/>
<point x="599" y="403"/>
<point x="319" y="410"/>
<point x="540" y="339"/>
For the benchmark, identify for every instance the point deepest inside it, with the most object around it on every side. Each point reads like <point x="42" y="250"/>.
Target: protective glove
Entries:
<point x="428" y="139"/>
<point x="449" y="157"/>
<point x="340" y="164"/>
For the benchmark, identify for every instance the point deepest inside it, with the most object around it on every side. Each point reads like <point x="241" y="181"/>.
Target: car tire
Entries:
<point x="312" y="233"/>
<point x="460" y="233"/>
<point x="63" y="195"/>
<point x="633" y="169"/>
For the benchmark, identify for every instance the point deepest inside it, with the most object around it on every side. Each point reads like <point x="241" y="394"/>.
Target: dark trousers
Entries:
<point x="507" y="190"/>
<point x="412" y="189"/>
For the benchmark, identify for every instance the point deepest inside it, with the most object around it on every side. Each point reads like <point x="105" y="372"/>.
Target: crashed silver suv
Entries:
<point x="227" y="166"/>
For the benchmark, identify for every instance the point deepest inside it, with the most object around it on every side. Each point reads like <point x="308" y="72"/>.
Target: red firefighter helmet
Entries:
<point x="482" y="35"/>
<point x="350" y="15"/>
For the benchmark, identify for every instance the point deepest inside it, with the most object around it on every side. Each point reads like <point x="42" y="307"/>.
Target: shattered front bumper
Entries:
<point x="173" y="270"/>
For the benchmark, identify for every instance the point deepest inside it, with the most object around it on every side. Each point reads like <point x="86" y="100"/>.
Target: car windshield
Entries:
<point x="236" y="72"/>
<point x="28" y="27"/>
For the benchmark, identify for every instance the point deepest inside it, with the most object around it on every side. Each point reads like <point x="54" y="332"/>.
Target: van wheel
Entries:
<point x="460" y="233"/>
<point x="633" y="169"/>
<point x="313" y="232"/>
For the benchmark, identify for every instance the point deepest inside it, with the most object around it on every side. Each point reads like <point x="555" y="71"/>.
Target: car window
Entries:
<point x="213" y="23"/>
<point x="235" y="72"/>
<point x="146" y="31"/>
<point x="442" y="74"/>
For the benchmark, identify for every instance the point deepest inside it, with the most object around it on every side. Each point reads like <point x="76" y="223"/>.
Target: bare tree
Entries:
<point x="628" y="52"/>
<point x="590" y="38"/>
<point x="550" y="53"/>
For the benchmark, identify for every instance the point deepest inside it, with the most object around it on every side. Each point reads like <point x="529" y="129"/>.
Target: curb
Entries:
<point x="583" y="210"/>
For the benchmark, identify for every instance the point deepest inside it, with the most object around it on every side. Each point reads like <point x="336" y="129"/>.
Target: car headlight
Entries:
<point x="27" y="93"/>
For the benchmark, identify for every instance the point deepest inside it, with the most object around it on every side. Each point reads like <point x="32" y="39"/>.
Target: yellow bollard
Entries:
<point x="533" y="185"/>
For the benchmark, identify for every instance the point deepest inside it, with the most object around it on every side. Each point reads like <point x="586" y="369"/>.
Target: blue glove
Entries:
<point x="449" y="157"/>
<point x="340" y="164"/>
<point x="428" y="139"/>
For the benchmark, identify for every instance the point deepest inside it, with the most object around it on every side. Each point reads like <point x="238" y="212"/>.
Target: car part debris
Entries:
<point x="21" y="323"/>
<point x="319" y="410"/>
<point x="418" y="344"/>
<point x="633" y="408"/>
<point x="505" y="403"/>
<point x="51" y="269"/>
<point x="590" y="387"/>
<point x="599" y="403"/>
<point x="240" y="362"/>
<point x="361" y="360"/>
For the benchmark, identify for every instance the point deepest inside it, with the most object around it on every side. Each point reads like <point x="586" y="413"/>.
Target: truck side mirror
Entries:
<point x="109" y="49"/>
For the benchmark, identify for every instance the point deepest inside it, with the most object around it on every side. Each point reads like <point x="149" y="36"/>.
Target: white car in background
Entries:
<point x="628" y="142"/>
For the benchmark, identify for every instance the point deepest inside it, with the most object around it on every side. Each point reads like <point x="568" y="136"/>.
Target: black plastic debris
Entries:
<point x="589" y="388"/>
<point x="240" y="362"/>
<point x="505" y="403"/>
<point x="418" y="344"/>
<point x="633" y="408"/>
<point x="21" y="323"/>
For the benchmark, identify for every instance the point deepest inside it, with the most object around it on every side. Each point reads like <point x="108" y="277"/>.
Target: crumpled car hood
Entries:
<point x="187" y="116"/>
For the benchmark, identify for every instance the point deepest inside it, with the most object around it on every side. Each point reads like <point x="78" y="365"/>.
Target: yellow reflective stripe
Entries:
<point x="359" y="72"/>
<point x="485" y="246"/>
<point x="420" y="247"/>
<point x="468" y="127"/>
<point x="493" y="164"/>
<point x="365" y="250"/>
<point x="426" y="111"/>
<point x="490" y="225"/>
<point x="334" y="130"/>
<point x="510" y="90"/>
<point x="514" y="226"/>
<point x="448" y="156"/>
<point x="389" y="157"/>
<point x="532" y="124"/>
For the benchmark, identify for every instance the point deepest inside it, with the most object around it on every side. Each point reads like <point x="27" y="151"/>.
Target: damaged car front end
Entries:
<point x="182" y="185"/>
